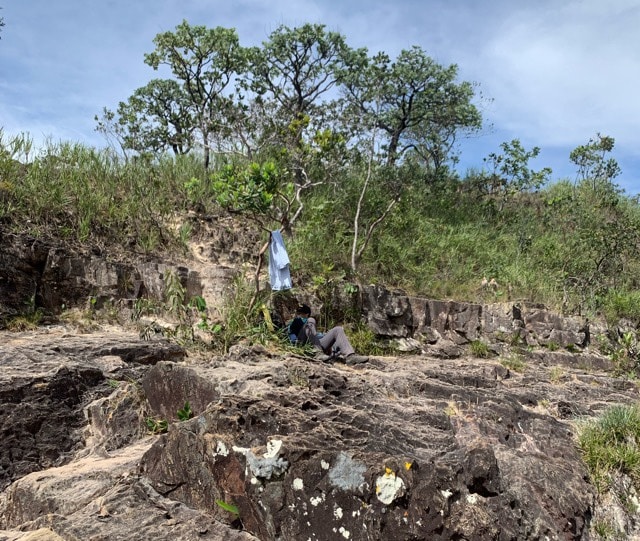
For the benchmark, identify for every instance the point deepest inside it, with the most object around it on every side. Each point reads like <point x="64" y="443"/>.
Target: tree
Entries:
<point x="157" y="117"/>
<point x="193" y="108"/>
<point x="410" y="107"/>
<point x="510" y="173"/>
<point x="415" y="103"/>
<point x="292" y="75"/>
<point x="592" y="163"/>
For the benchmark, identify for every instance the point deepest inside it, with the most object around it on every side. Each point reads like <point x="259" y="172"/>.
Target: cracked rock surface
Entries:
<point x="281" y="447"/>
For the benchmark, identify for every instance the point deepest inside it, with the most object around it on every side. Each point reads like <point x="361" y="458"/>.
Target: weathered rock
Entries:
<point x="286" y="448"/>
<point x="46" y="381"/>
<point x="402" y="449"/>
<point x="37" y="274"/>
<point x="392" y="314"/>
<point x="100" y="498"/>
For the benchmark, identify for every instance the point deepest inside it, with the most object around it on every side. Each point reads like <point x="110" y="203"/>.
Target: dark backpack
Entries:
<point x="295" y="326"/>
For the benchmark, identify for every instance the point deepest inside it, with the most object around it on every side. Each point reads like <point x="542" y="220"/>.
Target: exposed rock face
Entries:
<point x="394" y="314"/>
<point x="432" y="445"/>
<point x="45" y="381"/>
<point x="284" y="448"/>
<point x="50" y="276"/>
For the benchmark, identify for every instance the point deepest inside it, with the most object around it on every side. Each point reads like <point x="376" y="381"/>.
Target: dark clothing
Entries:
<point x="296" y="326"/>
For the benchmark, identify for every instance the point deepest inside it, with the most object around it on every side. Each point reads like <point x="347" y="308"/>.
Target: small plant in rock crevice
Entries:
<point x="156" y="426"/>
<point x="514" y="362"/>
<point x="479" y="349"/>
<point x="555" y="374"/>
<point x="625" y="354"/>
<point x="185" y="413"/>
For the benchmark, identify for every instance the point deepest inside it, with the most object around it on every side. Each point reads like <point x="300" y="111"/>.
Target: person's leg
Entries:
<point x="309" y="334"/>
<point x="336" y="339"/>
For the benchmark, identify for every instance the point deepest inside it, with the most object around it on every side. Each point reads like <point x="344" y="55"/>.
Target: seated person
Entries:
<point x="302" y="330"/>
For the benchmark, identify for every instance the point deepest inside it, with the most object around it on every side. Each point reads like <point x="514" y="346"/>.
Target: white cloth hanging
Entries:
<point x="279" y="275"/>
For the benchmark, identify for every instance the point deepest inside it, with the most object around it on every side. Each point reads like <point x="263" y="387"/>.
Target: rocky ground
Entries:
<point x="281" y="447"/>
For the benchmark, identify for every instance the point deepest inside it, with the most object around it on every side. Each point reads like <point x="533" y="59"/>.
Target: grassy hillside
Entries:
<point x="573" y="247"/>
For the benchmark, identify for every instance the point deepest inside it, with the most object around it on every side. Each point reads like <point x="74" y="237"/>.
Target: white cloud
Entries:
<point x="559" y="76"/>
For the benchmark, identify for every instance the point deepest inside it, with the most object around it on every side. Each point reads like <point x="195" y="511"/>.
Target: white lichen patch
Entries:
<point x="324" y="465"/>
<point x="221" y="449"/>
<point x="472" y="498"/>
<point x="298" y="484"/>
<point x="317" y="500"/>
<point x="337" y="512"/>
<point x="345" y="533"/>
<point x="388" y="487"/>
<point x="266" y="466"/>
<point x="273" y="448"/>
<point x="254" y="481"/>
<point x="446" y="494"/>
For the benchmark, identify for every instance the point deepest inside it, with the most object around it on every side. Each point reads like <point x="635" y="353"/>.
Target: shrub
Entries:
<point x="617" y="305"/>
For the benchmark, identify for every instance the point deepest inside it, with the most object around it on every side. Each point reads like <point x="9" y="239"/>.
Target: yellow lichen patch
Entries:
<point x="407" y="465"/>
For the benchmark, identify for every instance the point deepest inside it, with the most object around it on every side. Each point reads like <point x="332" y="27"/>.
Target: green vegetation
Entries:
<point x="185" y="413"/>
<point x="624" y="354"/>
<point x="610" y="445"/>
<point x="479" y="349"/>
<point x="514" y="362"/>
<point x="349" y="153"/>
<point x="229" y="507"/>
<point x="156" y="426"/>
<point x="608" y="531"/>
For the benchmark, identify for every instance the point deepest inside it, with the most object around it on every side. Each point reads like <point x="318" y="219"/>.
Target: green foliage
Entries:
<point x="365" y="342"/>
<point x="185" y="413"/>
<point x="607" y="531"/>
<point x="553" y="346"/>
<point x="27" y="322"/>
<point x="556" y="374"/>
<point x="249" y="189"/>
<point x="617" y="305"/>
<point x="514" y="362"/>
<point x="593" y="165"/>
<point x="156" y="426"/>
<point x="479" y="349"/>
<point x="230" y="507"/>
<point x="240" y="320"/>
<point x="610" y="445"/>
<point x="350" y="152"/>
<point x="625" y="354"/>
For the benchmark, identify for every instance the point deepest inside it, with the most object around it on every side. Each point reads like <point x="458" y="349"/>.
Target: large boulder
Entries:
<point x="401" y="449"/>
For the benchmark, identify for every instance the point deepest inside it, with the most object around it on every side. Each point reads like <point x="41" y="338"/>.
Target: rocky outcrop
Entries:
<point x="53" y="277"/>
<point x="282" y="447"/>
<point x="46" y="381"/>
<point x="434" y="444"/>
<point x="37" y="275"/>
<point x="393" y="314"/>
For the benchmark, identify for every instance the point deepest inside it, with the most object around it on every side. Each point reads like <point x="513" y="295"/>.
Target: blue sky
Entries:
<point x="553" y="73"/>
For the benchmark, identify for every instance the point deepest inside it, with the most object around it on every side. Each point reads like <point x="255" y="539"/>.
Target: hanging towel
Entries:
<point x="279" y="275"/>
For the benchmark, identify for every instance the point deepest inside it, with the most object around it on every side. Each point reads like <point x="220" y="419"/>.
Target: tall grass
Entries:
<point x="563" y="246"/>
<point x="610" y="445"/>
<point x="77" y="192"/>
